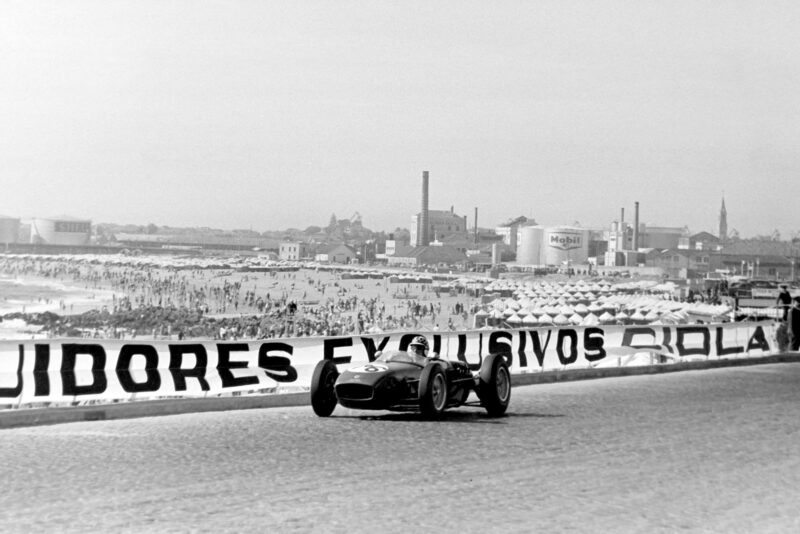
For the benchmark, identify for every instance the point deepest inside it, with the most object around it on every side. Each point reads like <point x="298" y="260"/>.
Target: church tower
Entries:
<point x="723" y="222"/>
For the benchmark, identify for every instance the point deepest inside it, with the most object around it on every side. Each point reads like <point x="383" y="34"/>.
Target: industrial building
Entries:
<point x="62" y="230"/>
<point x="9" y="230"/>
<point x="661" y="236"/>
<point x="511" y="231"/>
<point x="435" y="225"/>
<point x="335" y="254"/>
<point x="430" y="255"/>
<point x="553" y="245"/>
<point x="442" y="225"/>
<point x="292" y="251"/>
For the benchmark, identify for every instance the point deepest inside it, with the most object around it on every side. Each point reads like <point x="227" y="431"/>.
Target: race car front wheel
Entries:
<point x="432" y="390"/>
<point x="323" y="396"/>
<point x="494" y="385"/>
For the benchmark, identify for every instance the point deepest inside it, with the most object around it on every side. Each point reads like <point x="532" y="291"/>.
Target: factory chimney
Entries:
<point x="423" y="239"/>
<point x="476" y="225"/>
<point x="635" y="226"/>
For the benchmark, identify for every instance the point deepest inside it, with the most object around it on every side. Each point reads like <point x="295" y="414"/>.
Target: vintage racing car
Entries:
<point x="400" y="381"/>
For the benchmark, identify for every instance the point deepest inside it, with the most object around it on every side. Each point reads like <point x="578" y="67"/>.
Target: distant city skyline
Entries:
<point x="271" y="115"/>
<point x="629" y="219"/>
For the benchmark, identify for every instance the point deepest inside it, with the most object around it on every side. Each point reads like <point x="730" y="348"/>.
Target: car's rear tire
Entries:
<point x="494" y="385"/>
<point x="432" y="390"/>
<point x="323" y="396"/>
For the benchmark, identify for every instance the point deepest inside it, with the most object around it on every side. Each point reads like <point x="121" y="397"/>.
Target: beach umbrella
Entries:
<point x="594" y="308"/>
<point x="514" y="319"/>
<point x="575" y="319"/>
<point x="581" y="309"/>
<point x="546" y="319"/>
<point x="610" y="307"/>
<point x="637" y="317"/>
<point x="560" y="319"/>
<point x="566" y="310"/>
<point x="606" y="318"/>
<point x="590" y="320"/>
<point x="652" y="316"/>
<point x="529" y="319"/>
<point x="551" y="310"/>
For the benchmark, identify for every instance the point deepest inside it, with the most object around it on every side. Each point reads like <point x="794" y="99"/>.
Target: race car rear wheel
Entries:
<point x="323" y="396"/>
<point x="432" y="390"/>
<point x="494" y="385"/>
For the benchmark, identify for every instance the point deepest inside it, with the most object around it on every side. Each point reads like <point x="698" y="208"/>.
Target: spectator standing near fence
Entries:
<point x="794" y="324"/>
<point x="784" y="301"/>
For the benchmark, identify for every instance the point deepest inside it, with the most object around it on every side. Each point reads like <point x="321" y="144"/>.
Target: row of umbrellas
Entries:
<point x="582" y="303"/>
<point x="590" y="319"/>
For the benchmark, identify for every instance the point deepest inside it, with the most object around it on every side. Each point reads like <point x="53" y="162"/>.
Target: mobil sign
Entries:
<point x="565" y="240"/>
<point x="566" y="244"/>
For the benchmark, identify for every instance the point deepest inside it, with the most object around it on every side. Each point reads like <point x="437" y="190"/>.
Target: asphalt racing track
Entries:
<point x="715" y="450"/>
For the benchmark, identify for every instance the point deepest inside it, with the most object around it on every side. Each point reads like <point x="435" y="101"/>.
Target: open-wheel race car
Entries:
<point x="402" y="381"/>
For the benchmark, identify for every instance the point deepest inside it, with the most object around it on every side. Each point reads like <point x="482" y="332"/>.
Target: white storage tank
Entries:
<point x="565" y="244"/>
<point x="61" y="231"/>
<point x="529" y="248"/>
<point x="9" y="229"/>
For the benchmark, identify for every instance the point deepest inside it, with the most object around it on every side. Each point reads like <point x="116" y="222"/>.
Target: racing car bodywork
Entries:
<point x="400" y="381"/>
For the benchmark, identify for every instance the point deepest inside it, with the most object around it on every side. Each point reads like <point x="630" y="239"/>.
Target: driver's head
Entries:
<point x="419" y="346"/>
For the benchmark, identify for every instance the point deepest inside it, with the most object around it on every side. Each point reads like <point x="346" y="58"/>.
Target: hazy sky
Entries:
<point x="269" y="114"/>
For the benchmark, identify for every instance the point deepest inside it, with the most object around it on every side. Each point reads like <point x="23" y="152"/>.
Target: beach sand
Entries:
<point x="307" y="287"/>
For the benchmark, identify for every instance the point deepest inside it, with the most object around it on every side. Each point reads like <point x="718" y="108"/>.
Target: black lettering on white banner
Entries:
<point x="15" y="391"/>
<point x="724" y="351"/>
<point x="758" y="340"/>
<point x="538" y="349"/>
<point x="41" y="367"/>
<point x="329" y="345"/>
<point x="369" y="345"/>
<point x="179" y="374"/>
<point x="682" y="332"/>
<point x="593" y="344"/>
<point x="572" y="356"/>
<point x="225" y="366"/>
<point x="69" y="356"/>
<point x="279" y="368"/>
<point x="124" y="375"/>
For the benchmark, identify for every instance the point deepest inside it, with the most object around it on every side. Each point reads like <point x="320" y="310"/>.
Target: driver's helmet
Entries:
<point x="420" y="342"/>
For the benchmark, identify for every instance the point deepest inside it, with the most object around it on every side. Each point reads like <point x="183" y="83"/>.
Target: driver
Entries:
<point x="418" y="347"/>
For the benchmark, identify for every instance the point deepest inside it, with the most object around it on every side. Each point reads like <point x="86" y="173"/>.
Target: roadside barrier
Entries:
<point x="71" y="373"/>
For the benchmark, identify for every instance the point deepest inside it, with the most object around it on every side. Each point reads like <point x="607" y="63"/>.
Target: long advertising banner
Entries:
<point x="78" y="370"/>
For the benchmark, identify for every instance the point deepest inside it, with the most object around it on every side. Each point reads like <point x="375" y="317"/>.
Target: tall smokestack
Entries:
<point x="423" y="237"/>
<point x="476" y="224"/>
<point x="635" y="226"/>
<point x="621" y="215"/>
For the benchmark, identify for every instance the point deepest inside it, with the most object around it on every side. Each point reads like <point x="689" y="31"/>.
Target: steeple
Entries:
<point x="723" y="222"/>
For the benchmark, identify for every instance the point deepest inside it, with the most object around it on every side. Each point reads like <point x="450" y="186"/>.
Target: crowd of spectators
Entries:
<point x="175" y="303"/>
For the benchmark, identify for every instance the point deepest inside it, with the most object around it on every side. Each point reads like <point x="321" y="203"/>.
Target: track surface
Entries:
<point x="698" y="451"/>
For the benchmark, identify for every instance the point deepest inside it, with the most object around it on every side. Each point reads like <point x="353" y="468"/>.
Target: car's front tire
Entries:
<point x="494" y="385"/>
<point x="323" y="396"/>
<point x="432" y="390"/>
